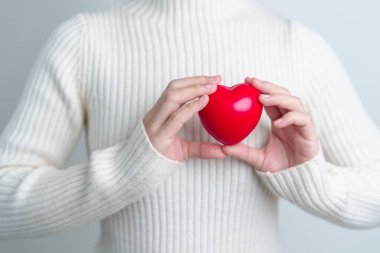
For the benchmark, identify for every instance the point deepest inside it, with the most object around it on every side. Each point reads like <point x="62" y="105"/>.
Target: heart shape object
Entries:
<point x="232" y="113"/>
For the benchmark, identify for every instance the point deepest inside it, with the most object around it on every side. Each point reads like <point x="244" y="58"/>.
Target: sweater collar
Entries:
<point x="220" y="9"/>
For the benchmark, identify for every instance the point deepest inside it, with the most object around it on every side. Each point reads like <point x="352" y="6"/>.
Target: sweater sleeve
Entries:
<point x="341" y="183"/>
<point x="39" y="197"/>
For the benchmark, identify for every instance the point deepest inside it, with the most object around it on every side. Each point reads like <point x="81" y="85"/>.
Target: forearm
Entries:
<point x="43" y="200"/>
<point x="347" y="196"/>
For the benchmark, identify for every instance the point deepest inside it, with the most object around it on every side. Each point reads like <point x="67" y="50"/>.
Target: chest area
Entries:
<point x="127" y="73"/>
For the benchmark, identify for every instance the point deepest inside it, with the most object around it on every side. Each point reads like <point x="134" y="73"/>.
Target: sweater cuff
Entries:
<point x="151" y="167"/>
<point x="140" y="131"/>
<point x="138" y="168"/>
<point x="309" y="185"/>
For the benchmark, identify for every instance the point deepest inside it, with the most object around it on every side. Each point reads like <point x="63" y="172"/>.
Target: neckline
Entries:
<point x="182" y="10"/>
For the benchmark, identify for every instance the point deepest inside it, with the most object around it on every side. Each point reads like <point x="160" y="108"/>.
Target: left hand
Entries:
<point x="293" y="139"/>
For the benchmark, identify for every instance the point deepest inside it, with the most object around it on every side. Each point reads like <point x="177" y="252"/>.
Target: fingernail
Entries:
<point x="264" y="96"/>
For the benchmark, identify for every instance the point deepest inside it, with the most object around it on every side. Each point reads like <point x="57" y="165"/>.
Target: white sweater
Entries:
<point x="101" y="72"/>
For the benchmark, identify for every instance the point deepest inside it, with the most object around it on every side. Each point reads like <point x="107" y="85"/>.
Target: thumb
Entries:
<point x="203" y="150"/>
<point x="251" y="155"/>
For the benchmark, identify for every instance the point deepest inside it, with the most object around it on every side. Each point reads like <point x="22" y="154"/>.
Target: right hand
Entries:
<point x="172" y="110"/>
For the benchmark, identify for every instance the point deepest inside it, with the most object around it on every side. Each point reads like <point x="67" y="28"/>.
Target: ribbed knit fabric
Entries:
<point x="100" y="72"/>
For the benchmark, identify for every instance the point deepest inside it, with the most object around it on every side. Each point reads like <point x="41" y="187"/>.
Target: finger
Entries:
<point x="186" y="81"/>
<point x="273" y="112"/>
<point x="268" y="87"/>
<point x="203" y="150"/>
<point x="288" y="102"/>
<point x="302" y="120"/>
<point x="186" y="94"/>
<point x="176" y="120"/>
<point x="251" y="155"/>
<point x="175" y="98"/>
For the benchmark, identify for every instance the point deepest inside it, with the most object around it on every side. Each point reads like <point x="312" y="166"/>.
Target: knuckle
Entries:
<point x="151" y="134"/>
<point x="172" y="84"/>
<point x="147" y="122"/>
<point x="170" y="95"/>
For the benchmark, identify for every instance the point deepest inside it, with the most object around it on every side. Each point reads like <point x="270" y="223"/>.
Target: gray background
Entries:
<point x="350" y="26"/>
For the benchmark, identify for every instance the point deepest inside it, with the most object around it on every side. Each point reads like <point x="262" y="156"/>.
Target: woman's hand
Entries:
<point x="177" y="104"/>
<point x="293" y="139"/>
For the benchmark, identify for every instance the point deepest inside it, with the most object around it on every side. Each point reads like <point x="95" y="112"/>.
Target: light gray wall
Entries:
<point x="351" y="27"/>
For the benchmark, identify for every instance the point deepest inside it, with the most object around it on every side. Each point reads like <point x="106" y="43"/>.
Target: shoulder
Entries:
<point x="68" y="32"/>
<point x="80" y="33"/>
<point x="295" y="32"/>
<point x="291" y="31"/>
<point x="309" y="41"/>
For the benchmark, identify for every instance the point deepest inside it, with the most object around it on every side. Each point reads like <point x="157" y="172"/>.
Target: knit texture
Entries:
<point x="100" y="72"/>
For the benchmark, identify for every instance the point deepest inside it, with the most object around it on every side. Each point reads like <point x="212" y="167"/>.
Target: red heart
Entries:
<point x="232" y="113"/>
